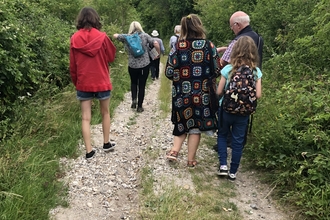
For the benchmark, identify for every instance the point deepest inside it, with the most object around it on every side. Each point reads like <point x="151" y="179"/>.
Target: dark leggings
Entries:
<point x="138" y="83"/>
<point x="154" y="67"/>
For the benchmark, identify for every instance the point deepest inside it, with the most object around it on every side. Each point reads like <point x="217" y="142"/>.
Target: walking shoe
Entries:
<point x="90" y="155"/>
<point x="223" y="170"/>
<point x="140" y="109"/>
<point x="108" y="146"/>
<point x="134" y="103"/>
<point x="232" y="176"/>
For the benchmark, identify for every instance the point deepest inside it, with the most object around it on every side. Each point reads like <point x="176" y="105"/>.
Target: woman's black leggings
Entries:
<point x="138" y="83"/>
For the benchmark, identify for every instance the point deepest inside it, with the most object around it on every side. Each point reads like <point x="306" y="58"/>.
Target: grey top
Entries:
<point x="173" y="41"/>
<point x="144" y="60"/>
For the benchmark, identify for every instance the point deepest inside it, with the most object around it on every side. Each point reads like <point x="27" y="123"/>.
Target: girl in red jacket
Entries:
<point x="91" y="51"/>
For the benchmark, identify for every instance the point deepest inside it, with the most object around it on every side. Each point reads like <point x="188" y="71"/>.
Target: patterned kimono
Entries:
<point x="189" y="67"/>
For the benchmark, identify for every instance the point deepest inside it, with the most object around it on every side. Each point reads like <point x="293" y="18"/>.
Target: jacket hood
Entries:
<point x="88" y="42"/>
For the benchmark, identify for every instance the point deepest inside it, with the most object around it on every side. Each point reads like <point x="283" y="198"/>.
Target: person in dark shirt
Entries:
<point x="239" y="23"/>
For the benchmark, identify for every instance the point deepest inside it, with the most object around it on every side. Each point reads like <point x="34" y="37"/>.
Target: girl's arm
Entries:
<point x="221" y="86"/>
<point x="258" y="88"/>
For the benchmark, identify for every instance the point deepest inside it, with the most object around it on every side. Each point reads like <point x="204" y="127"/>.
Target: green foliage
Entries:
<point x="31" y="54"/>
<point x="18" y="71"/>
<point x="281" y="22"/>
<point x="215" y="17"/>
<point x="45" y="129"/>
<point x="218" y="30"/>
<point x="316" y="44"/>
<point x="65" y="10"/>
<point x="163" y="15"/>
<point x="119" y="13"/>
<point x="294" y="137"/>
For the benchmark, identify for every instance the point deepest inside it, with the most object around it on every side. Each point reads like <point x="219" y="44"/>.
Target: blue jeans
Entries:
<point x="238" y="126"/>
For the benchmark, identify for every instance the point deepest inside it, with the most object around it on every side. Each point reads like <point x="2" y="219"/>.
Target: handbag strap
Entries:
<point x="211" y="58"/>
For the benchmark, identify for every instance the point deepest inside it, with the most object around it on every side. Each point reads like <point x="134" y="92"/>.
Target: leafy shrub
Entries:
<point x="31" y="52"/>
<point x="293" y="134"/>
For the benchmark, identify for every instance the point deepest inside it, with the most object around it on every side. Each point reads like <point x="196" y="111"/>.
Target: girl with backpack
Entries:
<point x="242" y="71"/>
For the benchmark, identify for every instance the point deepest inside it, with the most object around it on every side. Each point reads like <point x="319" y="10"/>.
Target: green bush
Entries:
<point x="293" y="135"/>
<point x="33" y="51"/>
<point x="19" y="72"/>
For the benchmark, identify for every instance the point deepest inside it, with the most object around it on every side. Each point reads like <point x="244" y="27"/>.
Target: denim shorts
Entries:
<point x="194" y="131"/>
<point x="197" y="131"/>
<point x="82" y="96"/>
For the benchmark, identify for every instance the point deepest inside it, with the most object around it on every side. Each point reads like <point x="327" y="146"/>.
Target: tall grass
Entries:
<point x="45" y="129"/>
<point x="165" y="91"/>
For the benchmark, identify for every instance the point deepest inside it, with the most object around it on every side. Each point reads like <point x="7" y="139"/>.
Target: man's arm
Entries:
<point x="156" y="45"/>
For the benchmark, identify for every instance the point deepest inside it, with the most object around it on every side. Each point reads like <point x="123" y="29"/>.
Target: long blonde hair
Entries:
<point x="135" y="27"/>
<point x="245" y="52"/>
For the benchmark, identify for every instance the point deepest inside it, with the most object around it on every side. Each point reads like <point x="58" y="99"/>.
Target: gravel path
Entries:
<point x="107" y="186"/>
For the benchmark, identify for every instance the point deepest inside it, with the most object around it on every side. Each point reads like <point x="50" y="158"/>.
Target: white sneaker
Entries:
<point x="223" y="170"/>
<point x="232" y="176"/>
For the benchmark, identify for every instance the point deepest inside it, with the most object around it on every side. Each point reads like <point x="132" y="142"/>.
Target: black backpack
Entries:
<point x="240" y="94"/>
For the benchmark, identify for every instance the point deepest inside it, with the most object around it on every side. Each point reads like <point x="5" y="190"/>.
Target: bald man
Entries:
<point x="240" y="24"/>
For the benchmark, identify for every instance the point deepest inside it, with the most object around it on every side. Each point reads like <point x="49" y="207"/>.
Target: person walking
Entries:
<point x="175" y="37"/>
<point x="138" y="67"/>
<point x="189" y="68"/>
<point x="240" y="24"/>
<point x="154" y="64"/>
<point x="244" y="54"/>
<point x="91" y="51"/>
